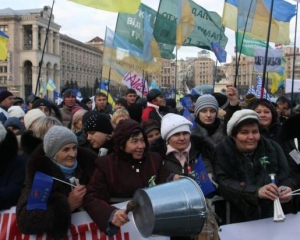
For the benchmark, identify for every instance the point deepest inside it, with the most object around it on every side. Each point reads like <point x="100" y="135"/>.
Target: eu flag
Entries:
<point x="187" y="102"/>
<point x="189" y="117"/>
<point x="201" y="177"/>
<point x="40" y="191"/>
<point x="220" y="53"/>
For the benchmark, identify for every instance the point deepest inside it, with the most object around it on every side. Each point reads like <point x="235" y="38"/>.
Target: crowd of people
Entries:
<point x="106" y="153"/>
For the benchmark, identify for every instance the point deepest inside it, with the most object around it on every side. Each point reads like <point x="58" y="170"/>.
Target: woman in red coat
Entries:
<point x="118" y="175"/>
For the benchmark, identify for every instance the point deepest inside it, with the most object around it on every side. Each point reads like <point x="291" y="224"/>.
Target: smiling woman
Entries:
<point x="245" y="161"/>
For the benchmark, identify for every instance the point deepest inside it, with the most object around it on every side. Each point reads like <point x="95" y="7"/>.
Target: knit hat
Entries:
<point x="206" y="101"/>
<point x="31" y="98"/>
<point x="223" y="100"/>
<point x="75" y="109"/>
<point x="3" y="132"/>
<point x="41" y="102"/>
<point x="18" y="100"/>
<point x="31" y="116"/>
<point x="239" y="116"/>
<point x="69" y="93"/>
<point x="16" y="111"/>
<point x="13" y="122"/>
<point x="152" y="94"/>
<point x="174" y="123"/>
<point x="56" y="138"/>
<point x="5" y="94"/>
<point x="149" y="125"/>
<point x="86" y="100"/>
<point x="97" y="122"/>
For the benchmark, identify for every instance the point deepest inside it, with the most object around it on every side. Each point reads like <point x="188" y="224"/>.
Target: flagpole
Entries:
<point x="237" y="59"/>
<point x="144" y="80"/>
<point x="294" y="60"/>
<point x="41" y="61"/>
<point x="175" y="85"/>
<point x="266" y="53"/>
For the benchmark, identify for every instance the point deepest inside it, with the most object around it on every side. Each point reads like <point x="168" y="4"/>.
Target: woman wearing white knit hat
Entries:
<point x="245" y="162"/>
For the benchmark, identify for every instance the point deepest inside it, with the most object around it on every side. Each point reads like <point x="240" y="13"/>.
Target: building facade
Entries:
<point x="63" y="58"/>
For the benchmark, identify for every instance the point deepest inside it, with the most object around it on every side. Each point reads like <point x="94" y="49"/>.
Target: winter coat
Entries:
<point x="107" y="110"/>
<point x="240" y="176"/>
<point x="12" y="171"/>
<point x="3" y="114"/>
<point x="56" y="220"/>
<point x="29" y="143"/>
<point x="119" y="177"/>
<point x="66" y="115"/>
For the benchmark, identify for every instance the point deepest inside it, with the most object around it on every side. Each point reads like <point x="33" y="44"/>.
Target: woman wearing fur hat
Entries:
<point x="119" y="174"/>
<point x="245" y="162"/>
<point x="59" y="157"/>
<point x="12" y="169"/>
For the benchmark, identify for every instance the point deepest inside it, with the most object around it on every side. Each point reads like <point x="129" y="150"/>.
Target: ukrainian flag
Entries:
<point x="110" y="100"/>
<point x="126" y="6"/>
<point x="235" y="13"/>
<point x="3" y="45"/>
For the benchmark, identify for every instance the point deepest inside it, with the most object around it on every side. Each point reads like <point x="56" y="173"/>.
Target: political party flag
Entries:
<point x="40" y="191"/>
<point x="189" y="117"/>
<point x="103" y="88"/>
<point x="258" y="89"/>
<point x="56" y="94"/>
<point x="137" y="82"/>
<point x="273" y="62"/>
<point x="251" y="90"/>
<point x="3" y="45"/>
<point x="186" y="102"/>
<point x="235" y="15"/>
<point x="202" y="178"/>
<point x="51" y="85"/>
<point x="153" y="85"/>
<point x="220" y="53"/>
<point x="207" y="26"/>
<point x="278" y="79"/>
<point x="126" y="6"/>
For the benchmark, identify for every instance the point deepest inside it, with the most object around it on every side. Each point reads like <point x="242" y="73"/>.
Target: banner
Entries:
<point x="273" y="60"/>
<point x="249" y="44"/>
<point x="82" y="227"/>
<point x="136" y="81"/>
<point x="288" y="86"/>
<point x="207" y="29"/>
<point x="130" y="27"/>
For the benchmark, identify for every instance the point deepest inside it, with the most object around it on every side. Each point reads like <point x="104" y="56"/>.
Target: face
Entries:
<point x="136" y="146"/>
<point x="8" y="102"/>
<point x="97" y="139"/>
<point x="130" y="98"/>
<point x="180" y="141"/>
<point x="66" y="156"/>
<point x="152" y="135"/>
<point x="281" y="108"/>
<point x="247" y="138"/>
<point x="207" y="115"/>
<point x="265" y="115"/>
<point x="45" y="110"/>
<point x="89" y="104"/>
<point x="78" y="125"/>
<point x="101" y="102"/>
<point x="159" y="101"/>
<point x="70" y="101"/>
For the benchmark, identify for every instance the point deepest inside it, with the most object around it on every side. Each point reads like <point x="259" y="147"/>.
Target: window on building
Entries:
<point x="4" y="28"/>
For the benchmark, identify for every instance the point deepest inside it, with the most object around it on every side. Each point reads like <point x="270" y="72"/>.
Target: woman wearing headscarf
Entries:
<point x="245" y="160"/>
<point x="118" y="175"/>
<point x="59" y="157"/>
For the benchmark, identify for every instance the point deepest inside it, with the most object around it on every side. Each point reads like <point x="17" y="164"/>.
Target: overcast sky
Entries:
<point x="84" y="23"/>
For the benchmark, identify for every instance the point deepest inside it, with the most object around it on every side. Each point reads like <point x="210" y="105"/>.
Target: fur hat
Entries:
<point x="97" y="122"/>
<point x="152" y="94"/>
<point x="206" y="101"/>
<point x="31" y="116"/>
<point x="239" y="116"/>
<point x="5" y="94"/>
<point x="16" y="111"/>
<point x="172" y="124"/>
<point x="13" y="122"/>
<point x="41" y="102"/>
<point x="56" y="138"/>
<point x="3" y="132"/>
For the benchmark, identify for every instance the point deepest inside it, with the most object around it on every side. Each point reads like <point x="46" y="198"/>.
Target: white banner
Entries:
<point x="288" y="86"/>
<point x="273" y="60"/>
<point x="82" y="228"/>
<point x="135" y="81"/>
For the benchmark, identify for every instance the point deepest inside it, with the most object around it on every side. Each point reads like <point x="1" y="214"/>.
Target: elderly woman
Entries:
<point x="245" y="162"/>
<point x="119" y="174"/>
<point x="59" y="157"/>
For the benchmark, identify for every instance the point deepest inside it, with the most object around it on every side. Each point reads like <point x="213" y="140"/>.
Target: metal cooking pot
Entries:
<point x="176" y="208"/>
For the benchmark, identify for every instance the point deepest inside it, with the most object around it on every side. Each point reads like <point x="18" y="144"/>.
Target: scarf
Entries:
<point x="210" y="128"/>
<point x="67" y="171"/>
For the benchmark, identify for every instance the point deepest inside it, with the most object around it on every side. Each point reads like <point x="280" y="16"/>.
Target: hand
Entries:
<point x="232" y="94"/>
<point x="283" y="191"/>
<point x="119" y="218"/>
<point x="76" y="196"/>
<point x="269" y="191"/>
<point x="176" y="177"/>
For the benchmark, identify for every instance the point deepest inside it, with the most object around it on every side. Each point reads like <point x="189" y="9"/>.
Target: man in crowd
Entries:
<point x="130" y="96"/>
<point x="6" y="101"/>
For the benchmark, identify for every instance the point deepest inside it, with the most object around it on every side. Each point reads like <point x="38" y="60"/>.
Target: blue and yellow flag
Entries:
<point x="126" y="6"/>
<point x="235" y="16"/>
<point x="51" y="85"/>
<point x="3" y="45"/>
<point x="103" y="89"/>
